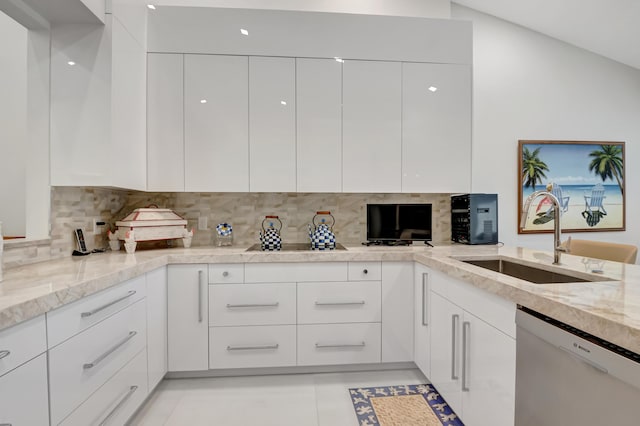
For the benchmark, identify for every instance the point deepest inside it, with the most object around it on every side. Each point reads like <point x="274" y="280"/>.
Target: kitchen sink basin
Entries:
<point x="529" y="273"/>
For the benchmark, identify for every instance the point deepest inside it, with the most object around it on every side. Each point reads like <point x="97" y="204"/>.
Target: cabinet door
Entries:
<point x="272" y="128"/>
<point x="446" y="324"/>
<point x="25" y="396"/>
<point x="371" y="145"/>
<point x="488" y="374"/>
<point x="319" y="125"/>
<point x="165" y="128"/>
<point x="188" y="318"/>
<point x="397" y="311"/>
<point x="422" y="315"/>
<point x="436" y="128"/>
<point x="216" y="123"/>
<point x="156" y="325"/>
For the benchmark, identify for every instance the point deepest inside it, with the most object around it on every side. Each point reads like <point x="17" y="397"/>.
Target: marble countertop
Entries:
<point x="608" y="309"/>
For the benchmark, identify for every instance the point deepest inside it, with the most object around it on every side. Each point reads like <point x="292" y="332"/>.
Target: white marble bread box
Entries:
<point x="152" y="224"/>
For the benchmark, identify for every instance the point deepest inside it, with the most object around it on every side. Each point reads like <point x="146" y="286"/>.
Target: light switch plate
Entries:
<point x="202" y="223"/>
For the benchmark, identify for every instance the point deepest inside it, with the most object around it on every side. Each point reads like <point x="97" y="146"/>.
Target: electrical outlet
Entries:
<point x="98" y="225"/>
<point x="202" y="223"/>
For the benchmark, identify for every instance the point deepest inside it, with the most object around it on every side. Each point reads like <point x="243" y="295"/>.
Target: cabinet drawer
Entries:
<point x="117" y="399"/>
<point x="365" y="271"/>
<point x="252" y="304"/>
<point x="339" y="302"/>
<point x="322" y="344"/>
<point x="258" y="346"/>
<point x="22" y="342"/>
<point x="24" y="396"/>
<point x="71" y="319"/>
<point x="226" y="273"/>
<point x="79" y="366"/>
<point x="295" y="272"/>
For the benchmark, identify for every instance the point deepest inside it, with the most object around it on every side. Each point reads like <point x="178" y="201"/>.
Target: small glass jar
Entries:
<point x="224" y="240"/>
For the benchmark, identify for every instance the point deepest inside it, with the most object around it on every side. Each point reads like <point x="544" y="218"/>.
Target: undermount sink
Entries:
<point x="529" y="273"/>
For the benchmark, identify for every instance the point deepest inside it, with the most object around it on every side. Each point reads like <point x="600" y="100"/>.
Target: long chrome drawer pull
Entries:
<point x="466" y="329"/>
<point x="254" y="305"/>
<point x="344" y="345"/>
<point x="124" y="399"/>
<point x="454" y="351"/>
<point x="425" y="300"/>
<point x="4" y="354"/>
<point x="361" y="302"/>
<point x="96" y="310"/>
<point x="251" y="348"/>
<point x="200" y="292"/>
<point x="5" y="424"/>
<point x="110" y="351"/>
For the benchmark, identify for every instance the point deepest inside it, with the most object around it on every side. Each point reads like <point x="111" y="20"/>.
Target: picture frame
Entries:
<point x="587" y="178"/>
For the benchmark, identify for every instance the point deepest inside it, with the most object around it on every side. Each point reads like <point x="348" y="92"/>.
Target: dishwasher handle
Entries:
<point x="585" y="360"/>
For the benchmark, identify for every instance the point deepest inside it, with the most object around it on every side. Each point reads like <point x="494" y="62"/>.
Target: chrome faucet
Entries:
<point x="557" y="248"/>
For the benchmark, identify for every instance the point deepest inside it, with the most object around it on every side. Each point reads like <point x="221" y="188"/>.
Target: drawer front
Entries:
<point x="23" y="394"/>
<point x="365" y="271"/>
<point x="259" y="346"/>
<point x="22" y="342"/>
<point x="71" y="319"/>
<point x="117" y="399"/>
<point x="226" y="273"/>
<point x="324" y="344"/>
<point x="252" y="304"/>
<point x="295" y="272"/>
<point x="79" y="366"/>
<point x="339" y="302"/>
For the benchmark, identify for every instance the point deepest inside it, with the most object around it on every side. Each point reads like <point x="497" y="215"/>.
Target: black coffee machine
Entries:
<point x="474" y="218"/>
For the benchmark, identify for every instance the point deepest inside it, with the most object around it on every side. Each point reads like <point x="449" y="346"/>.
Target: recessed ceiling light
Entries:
<point x="243" y="31"/>
<point x="283" y="102"/>
<point x="203" y="101"/>
<point x="71" y="63"/>
<point x="432" y="88"/>
<point x="152" y="7"/>
<point x="338" y="59"/>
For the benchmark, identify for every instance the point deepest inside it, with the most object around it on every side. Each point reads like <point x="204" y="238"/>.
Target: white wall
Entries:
<point x="530" y="86"/>
<point x="13" y="125"/>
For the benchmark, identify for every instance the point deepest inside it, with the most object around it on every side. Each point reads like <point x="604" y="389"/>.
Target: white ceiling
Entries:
<point x="610" y="28"/>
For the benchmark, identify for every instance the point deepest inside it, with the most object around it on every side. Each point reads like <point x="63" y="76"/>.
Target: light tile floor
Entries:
<point x="281" y="400"/>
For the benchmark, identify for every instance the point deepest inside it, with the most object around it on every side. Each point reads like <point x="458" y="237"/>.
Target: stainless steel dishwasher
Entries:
<point x="565" y="376"/>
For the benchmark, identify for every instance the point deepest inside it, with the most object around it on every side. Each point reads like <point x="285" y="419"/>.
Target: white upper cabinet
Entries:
<point x="436" y="127"/>
<point x="165" y="127"/>
<point x="216" y="123"/>
<point x="272" y="124"/>
<point x="372" y="116"/>
<point x="319" y="125"/>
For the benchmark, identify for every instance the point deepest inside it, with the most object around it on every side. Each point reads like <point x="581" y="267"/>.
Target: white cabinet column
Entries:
<point x="165" y="126"/>
<point x="216" y="123"/>
<point x="319" y="125"/>
<point x="371" y="145"/>
<point x="272" y="124"/>
<point x="422" y="319"/>
<point x="436" y="128"/>
<point x="156" y="326"/>
<point x="397" y="311"/>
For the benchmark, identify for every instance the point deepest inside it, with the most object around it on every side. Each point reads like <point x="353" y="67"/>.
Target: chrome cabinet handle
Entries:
<point x="5" y="424"/>
<point x="454" y="337"/>
<point x="120" y="299"/>
<point x="364" y="271"/>
<point x="225" y="274"/>
<point x="361" y="302"/>
<point x="95" y="362"/>
<point x="254" y="305"/>
<point x="124" y="399"/>
<point x="466" y="331"/>
<point x="3" y="355"/>
<point x="251" y="348"/>
<point x="344" y="345"/>
<point x="200" y="292"/>
<point x="425" y="298"/>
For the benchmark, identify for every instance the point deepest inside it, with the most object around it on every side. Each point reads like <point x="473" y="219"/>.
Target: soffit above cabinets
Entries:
<point x="36" y="14"/>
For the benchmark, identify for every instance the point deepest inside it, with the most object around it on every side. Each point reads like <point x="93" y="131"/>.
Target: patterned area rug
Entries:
<point x="405" y="405"/>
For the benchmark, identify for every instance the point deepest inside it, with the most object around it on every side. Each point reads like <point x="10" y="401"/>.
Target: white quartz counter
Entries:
<point x="608" y="309"/>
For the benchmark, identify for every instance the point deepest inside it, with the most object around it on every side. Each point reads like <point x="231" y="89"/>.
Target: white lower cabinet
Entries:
<point x="23" y="394"/>
<point x="422" y="315"/>
<point x="397" y="311"/>
<point x="117" y="399"/>
<point x="156" y="325"/>
<point x="472" y="361"/>
<point x="188" y="323"/>
<point x="330" y="344"/>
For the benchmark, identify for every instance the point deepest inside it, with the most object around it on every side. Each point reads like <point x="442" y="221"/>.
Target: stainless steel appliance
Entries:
<point x="474" y="218"/>
<point x="565" y="376"/>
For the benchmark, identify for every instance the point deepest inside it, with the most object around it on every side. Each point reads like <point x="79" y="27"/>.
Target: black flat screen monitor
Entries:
<point x="399" y="222"/>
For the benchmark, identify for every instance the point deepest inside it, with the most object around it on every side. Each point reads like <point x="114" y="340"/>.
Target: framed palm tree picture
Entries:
<point x="587" y="178"/>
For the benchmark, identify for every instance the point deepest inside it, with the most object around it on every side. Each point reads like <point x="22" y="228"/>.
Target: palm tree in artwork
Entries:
<point x="533" y="168"/>
<point x="607" y="163"/>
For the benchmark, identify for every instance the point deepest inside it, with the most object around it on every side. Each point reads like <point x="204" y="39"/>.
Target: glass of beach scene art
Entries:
<point x="586" y="177"/>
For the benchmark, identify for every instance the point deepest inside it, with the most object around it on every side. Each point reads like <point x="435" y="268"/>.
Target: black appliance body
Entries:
<point x="474" y="218"/>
